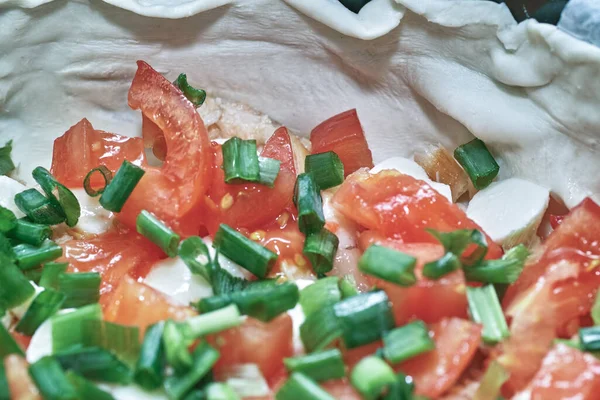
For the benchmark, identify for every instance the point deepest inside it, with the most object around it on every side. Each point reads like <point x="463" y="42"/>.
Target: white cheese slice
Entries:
<point x="41" y="342"/>
<point x="510" y="211"/>
<point x="8" y="189"/>
<point x="347" y="229"/>
<point x="409" y="167"/>
<point x="94" y="218"/>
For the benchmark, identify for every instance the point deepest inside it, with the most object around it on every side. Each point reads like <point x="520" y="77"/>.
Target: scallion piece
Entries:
<point x="195" y="96"/>
<point x="121" y="340"/>
<point x="485" y="309"/>
<point x="106" y="176"/>
<point x="51" y="380"/>
<point x="204" y="358"/>
<point x="389" y="264"/>
<point x="38" y="208"/>
<point x="68" y="329"/>
<point x="268" y="169"/>
<point x="220" y="391"/>
<point x="299" y="386"/>
<point x="240" y="161"/>
<point x="6" y="163"/>
<point x="81" y="288"/>
<point x="150" y="365"/>
<point x="8" y="345"/>
<point x="8" y="221"/>
<point x="4" y="388"/>
<point x="6" y="249"/>
<point x="158" y="233"/>
<point x="364" y="318"/>
<point x="505" y="270"/>
<point x="406" y="342"/>
<point x="402" y="389"/>
<point x="327" y="169"/>
<point x="119" y="189"/>
<point x="320" y="249"/>
<point x="492" y="382"/>
<point x="589" y="338"/>
<point x="212" y="322"/>
<point x="58" y="194"/>
<point x="194" y="253"/>
<point x="324" y="292"/>
<point x="371" y="376"/>
<point x="243" y="251"/>
<point x="28" y="256"/>
<point x="348" y="286"/>
<point x="175" y="346"/>
<point x="320" y="329"/>
<point x="307" y="198"/>
<point x="86" y="389"/>
<point x="95" y="363"/>
<point x="456" y="242"/>
<point x="223" y="282"/>
<point x="478" y="162"/>
<point x="30" y="232"/>
<point x="50" y="274"/>
<point x="45" y="304"/>
<point x="320" y="366"/>
<point x="595" y="312"/>
<point x="439" y="268"/>
<point x="34" y="275"/>
<point x="15" y="288"/>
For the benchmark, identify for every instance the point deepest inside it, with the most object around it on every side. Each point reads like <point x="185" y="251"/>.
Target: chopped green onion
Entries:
<point x="320" y="249"/>
<point x="158" y="233"/>
<point x="364" y="318"/>
<point x="34" y="275"/>
<point x="485" y="309"/>
<point x="51" y="380"/>
<point x="119" y="189"/>
<point x="596" y="309"/>
<point x="38" y="208"/>
<point x="30" y="232"/>
<point x="243" y="251"/>
<point x="371" y="376"/>
<point x="81" y="288"/>
<point x="402" y="389"/>
<point x="29" y="256"/>
<point x="149" y="368"/>
<point x="220" y="391"/>
<point x="121" y="340"/>
<point x="4" y="388"/>
<point x="492" y="381"/>
<point x="478" y="163"/>
<point x="505" y="270"/>
<point x="320" y="329"/>
<point x="240" y="161"/>
<point x="204" y="357"/>
<point x="195" y="96"/>
<point x="8" y="221"/>
<point x="175" y="346"/>
<point x="6" y="163"/>
<point x="194" y="253"/>
<point x="95" y="363"/>
<point x="348" y="286"/>
<point x="6" y="249"/>
<point x="106" y="176"/>
<point x="263" y="301"/>
<point x="456" y="242"/>
<point x="68" y="329"/>
<point x="320" y="366"/>
<point x="223" y="282"/>
<point x="50" y="274"/>
<point x="299" y="386"/>
<point x="8" y="345"/>
<point x="326" y="168"/>
<point x="590" y="338"/>
<point x="59" y="195"/>
<point x="389" y="264"/>
<point x="406" y="342"/>
<point x="212" y="322"/>
<point x="439" y="268"/>
<point x="307" y="199"/>
<point x="86" y="389"/>
<point x="322" y="293"/>
<point x="268" y="170"/>
<point x="45" y="304"/>
<point x="15" y="288"/>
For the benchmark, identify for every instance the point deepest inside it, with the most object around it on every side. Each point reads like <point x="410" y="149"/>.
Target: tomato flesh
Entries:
<point x="20" y="384"/>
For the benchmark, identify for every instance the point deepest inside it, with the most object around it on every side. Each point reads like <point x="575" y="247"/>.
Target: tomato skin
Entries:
<point x="456" y="342"/>
<point x="400" y="206"/>
<point x="20" y="384"/>
<point x="82" y="148"/>
<point x="343" y="134"/>
<point x="256" y="342"/>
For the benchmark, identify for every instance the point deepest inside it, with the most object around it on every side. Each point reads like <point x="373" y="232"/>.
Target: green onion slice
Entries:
<point x="223" y="282"/>
<point x="4" y="388"/>
<point x="194" y="253"/>
<point x="505" y="270"/>
<point x="402" y="389"/>
<point x="195" y="96"/>
<point x="320" y="329"/>
<point x="50" y="274"/>
<point x="478" y="162"/>
<point x="15" y="288"/>
<point x="406" y="342"/>
<point x="45" y="304"/>
<point x="589" y="338"/>
<point x="348" y="286"/>
<point x="8" y="345"/>
<point x="212" y="322"/>
<point x="320" y="249"/>
<point x="240" y="161"/>
<point x="327" y="169"/>
<point x="6" y="249"/>
<point x="38" y="208"/>
<point x="596" y="309"/>
<point x="51" y="380"/>
<point x="6" y="163"/>
<point x="175" y="347"/>
<point x="371" y="376"/>
<point x="8" y="221"/>
<point x="81" y="288"/>
<point x="158" y="233"/>
<point x="106" y="176"/>
<point x="121" y="340"/>
<point x="492" y="382"/>
<point x="389" y="264"/>
<point x="28" y="256"/>
<point x="299" y="386"/>
<point x="439" y="268"/>
<point x="96" y="364"/>
<point x="320" y="366"/>
<point x="58" y="194"/>
<point x="150" y="365"/>
<point x="485" y="309"/>
<point x="324" y="292"/>
<point x="119" y="189"/>
<point x="220" y="391"/>
<point x="30" y="232"/>
<point x="68" y="329"/>
<point x="456" y="242"/>
<point x="268" y="169"/>
<point x="86" y="389"/>
<point x="308" y="201"/>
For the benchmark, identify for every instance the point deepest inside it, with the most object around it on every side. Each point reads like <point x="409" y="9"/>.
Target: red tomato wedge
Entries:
<point x="174" y="191"/>
<point x="83" y="148"/>
<point x="134" y="303"/>
<point x="252" y="206"/>
<point x="456" y="342"/>
<point x="343" y="135"/>
<point x="20" y="384"/>
<point x="256" y="342"/>
<point x="154" y="138"/>
<point x="400" y="206"/>
<point x="566" y="373"/>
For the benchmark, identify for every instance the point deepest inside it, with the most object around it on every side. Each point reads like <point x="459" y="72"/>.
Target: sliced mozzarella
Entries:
<point x="94" y="218"/>
<point x="510" y="211"/>
<point x="409" y="167"/>
<point x="132" y="392"/>
<point x="20" y="310"/>
<point x="41" y="342"/>
<point x="347" y="229"/>
<point x="8" y="189"/>
<point x="298" y="317"/>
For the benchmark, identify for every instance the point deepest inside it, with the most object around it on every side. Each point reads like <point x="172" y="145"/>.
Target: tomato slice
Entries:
<point x="136" y="304"/>
<point x="400" y="206"/>
<point x="20" y="384"/>
<point x="82" y="148"/>
<point x="252" y="206"/>
<point x="456" y="342"/>
<point x="343" y="135"/>
<point x="174" y="191"/>
<point x="566" y="373"/>
<point x="256" y="342"/>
